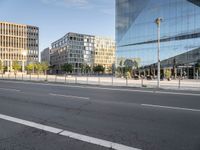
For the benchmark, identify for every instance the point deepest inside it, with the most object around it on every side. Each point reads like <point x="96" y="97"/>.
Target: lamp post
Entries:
<point x="23" y="60"/>
<point x="158" y="22"/>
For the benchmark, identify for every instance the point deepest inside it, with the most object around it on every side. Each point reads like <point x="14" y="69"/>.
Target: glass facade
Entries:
<point x="136" y="31"/>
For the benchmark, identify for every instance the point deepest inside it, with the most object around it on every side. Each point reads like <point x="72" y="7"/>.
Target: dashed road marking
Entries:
<point x="69" y="96"/>
<point x="8" y="89"/>
<point x="169" y="107"/>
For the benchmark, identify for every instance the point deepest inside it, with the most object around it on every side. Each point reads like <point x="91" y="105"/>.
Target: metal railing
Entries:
<point x="192" y="84"/>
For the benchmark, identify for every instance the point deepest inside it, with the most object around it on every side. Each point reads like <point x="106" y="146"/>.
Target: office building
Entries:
<point x="45" y="55"/>
<point x="18" y="43"/>
<point x="80" y="50"/>
<point x="104" y="53"/>
<point x="75" y="49"/>
<point x="136" y="32"/>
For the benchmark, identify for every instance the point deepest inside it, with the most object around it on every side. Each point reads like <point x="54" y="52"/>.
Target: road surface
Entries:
<point x="36" y="116"/>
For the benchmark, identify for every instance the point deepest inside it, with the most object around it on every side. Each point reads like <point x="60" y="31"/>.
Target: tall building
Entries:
<point x="136" y="31"/>
<point x="104" y="52"/>
<point x="75" y="49"/>
<point x="45" y="55"/>
<point x="18" y="43"/>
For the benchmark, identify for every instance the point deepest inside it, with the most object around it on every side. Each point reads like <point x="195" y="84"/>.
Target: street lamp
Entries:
<point x="158" y="22"/>
<point x="23" y="60"/>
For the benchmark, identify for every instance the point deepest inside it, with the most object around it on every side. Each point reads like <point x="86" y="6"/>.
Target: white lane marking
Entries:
<point x="110" y="89"/>
<point x="6" y="89"/>
<point x="169" y="107"/>
<point x="69" y="134"/>
<point x="178" y="93"/>
<point x="31" y="124"/>
<point x="69" y="96"/>
<point x="96" y="141"/>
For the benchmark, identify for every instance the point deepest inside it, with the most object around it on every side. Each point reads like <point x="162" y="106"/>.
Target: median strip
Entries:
<point x="174" y="108"/>
<point x="69" y="134"/>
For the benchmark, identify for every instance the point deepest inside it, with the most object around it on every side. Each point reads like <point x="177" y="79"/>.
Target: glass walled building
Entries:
<point x="136" y="31"/>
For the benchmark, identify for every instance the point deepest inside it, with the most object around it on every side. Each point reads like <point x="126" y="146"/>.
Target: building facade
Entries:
<point x="80" y="50"/>
<point x="104" y="53"/>
<point x="18" y="43"/>
<point x="45" y="55"/>
<point x="75" y="49"/>
<point x="136" y="30"/>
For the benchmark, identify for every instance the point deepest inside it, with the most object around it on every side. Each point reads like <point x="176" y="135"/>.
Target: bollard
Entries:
<point x="75" y="79"/>
<point x="87" y="79"/>
<point x="15" y="76"/>
<point x="46" y="77"/>
<point x="30" y="77"/>
<point x="179" y="83"/>
<point x="22" y="77"/>
<point x="112" y="81"/>
<point x="55" y="78"/>
<point x="142" y="82"/>
<point x="65" y="78"/>
<point x="98" y="80"/>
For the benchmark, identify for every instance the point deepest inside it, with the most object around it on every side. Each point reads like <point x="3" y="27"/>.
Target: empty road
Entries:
<point x="36" y="116"/>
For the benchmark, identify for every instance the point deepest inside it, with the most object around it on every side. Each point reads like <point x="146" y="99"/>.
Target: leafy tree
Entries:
<point x="85" y="68"/>
<point x="168" y="74"/>
<point x="38" y="67"/>
<point x="67" y="68"/>
<point x="30" y="67"/>
<point x="98" y="69"/>
<point x="1" y="66"/>
<point x="16" y="66"/>
<point x="45" y="67"/>
<point x="197" y="65"/>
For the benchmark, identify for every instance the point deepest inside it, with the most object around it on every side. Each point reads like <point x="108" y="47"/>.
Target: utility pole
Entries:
<point x="158" y="22"/>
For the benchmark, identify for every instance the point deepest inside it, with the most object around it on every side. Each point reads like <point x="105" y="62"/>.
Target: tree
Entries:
<point x="67" y="68"/>
<point x="30" y="67"/>
<point x="98" y="69"/>
<point x="38" y="67"/>
<point x="1" y="66"/>
<point x="197" y="65"/>
<point x="85" y="68"/>
<point x="16" y="67"/>
<point x="168" y="74"/>
<point x="45" y="67"/>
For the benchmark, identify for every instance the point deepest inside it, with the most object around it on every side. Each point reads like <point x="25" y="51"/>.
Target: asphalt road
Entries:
<point x="138" y="118"/>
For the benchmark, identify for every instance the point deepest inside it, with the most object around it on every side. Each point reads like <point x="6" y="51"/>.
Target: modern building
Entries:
<point x="81" y="50"/>
<point x="136" y="31"/>
<point x="75" y="49"/>
<point x="45" y="55"/>
<point x="18" y="43"/>
<point x="104" y="53"/>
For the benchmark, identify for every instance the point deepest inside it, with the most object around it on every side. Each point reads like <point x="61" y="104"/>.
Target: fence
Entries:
<point x="106" y="81"/>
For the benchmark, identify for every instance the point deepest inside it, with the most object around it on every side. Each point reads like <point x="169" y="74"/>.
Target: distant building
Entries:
<point x="75" y="49"/>
<point x="18" y="43"/>
<point x="104" y="53"/>
<point x="45" y="55"/>
<point x="80" y="50"/>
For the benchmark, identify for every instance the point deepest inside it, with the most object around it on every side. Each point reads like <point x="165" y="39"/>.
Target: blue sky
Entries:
<point x="57" y="17"/>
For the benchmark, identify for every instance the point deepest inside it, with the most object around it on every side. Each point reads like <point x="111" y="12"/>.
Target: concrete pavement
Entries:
<point x="121" y="116"/>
